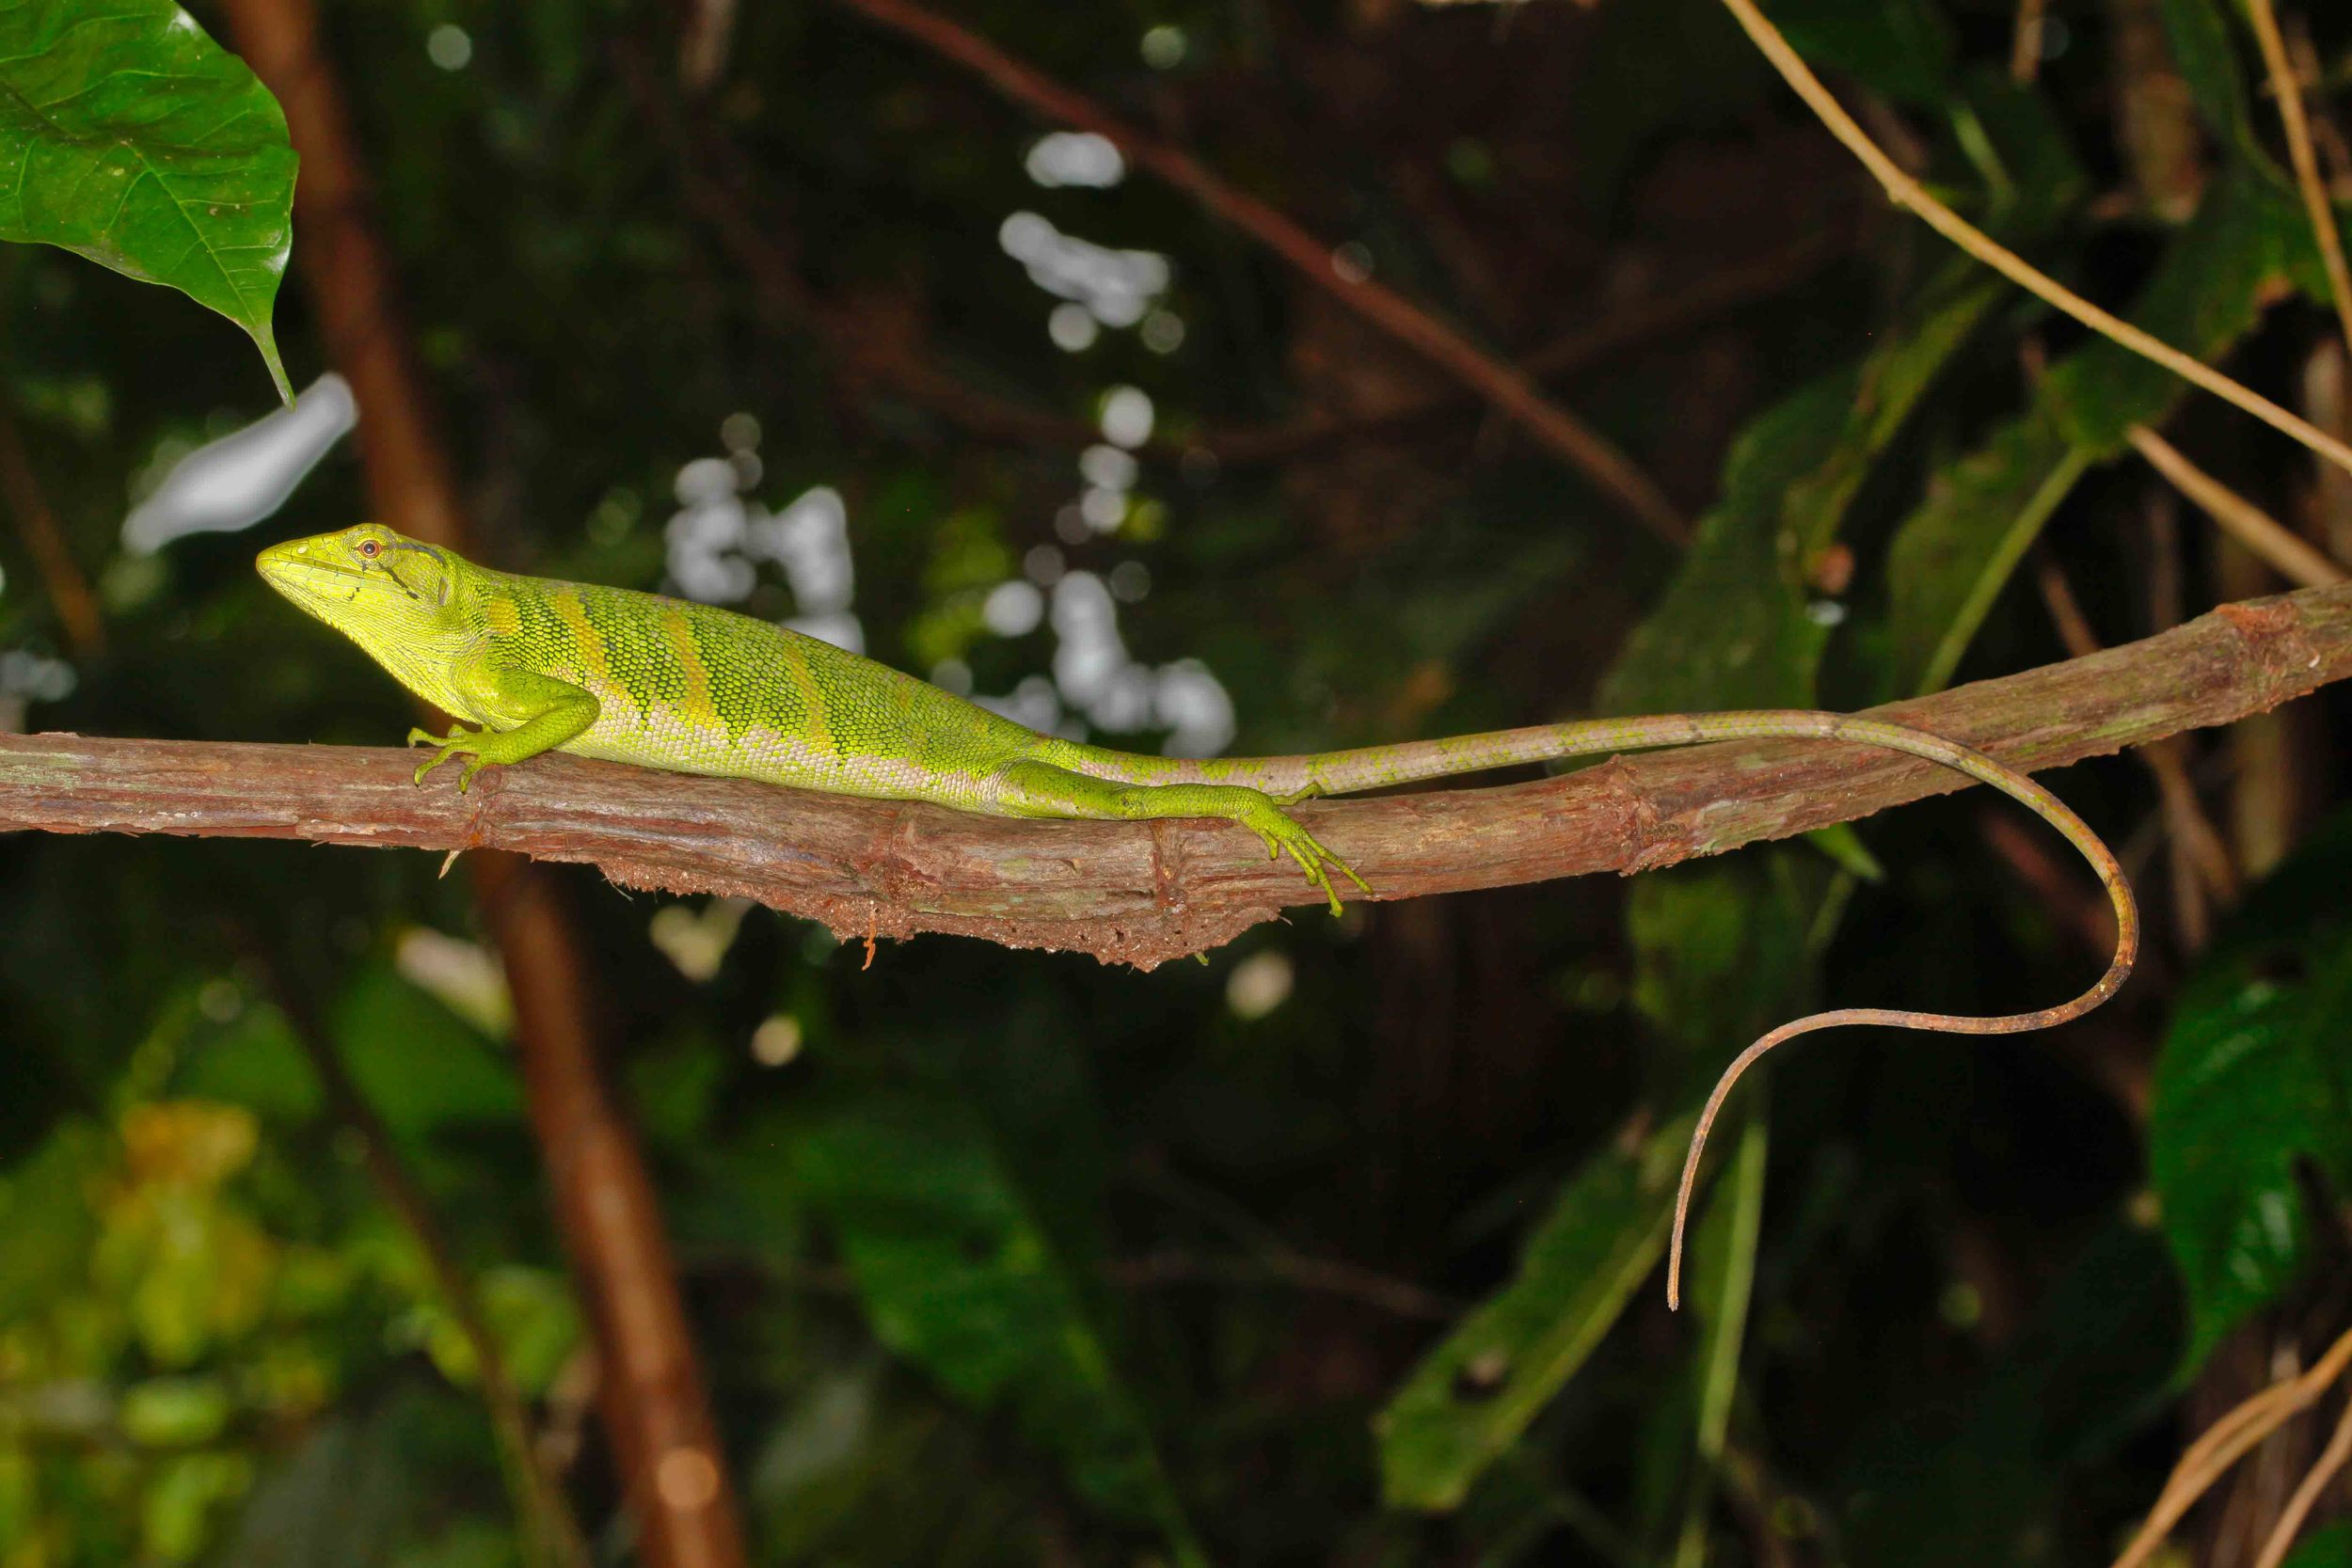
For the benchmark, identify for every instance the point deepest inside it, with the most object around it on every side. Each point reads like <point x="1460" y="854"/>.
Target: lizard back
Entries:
<point x="697" y="689"/>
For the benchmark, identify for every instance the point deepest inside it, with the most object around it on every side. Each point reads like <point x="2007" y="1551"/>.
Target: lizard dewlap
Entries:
<point x="539" y="665"/>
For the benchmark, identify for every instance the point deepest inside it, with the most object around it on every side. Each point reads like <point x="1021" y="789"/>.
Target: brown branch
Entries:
<point x="706" y="28"/>
<point x="2288" y="89"/>
<point x="1507" y="387"/>
<point x="1146" y="892"/>
<point x="1625" y="327"/>
<point x="711" y="173"/>
<point x="552" y="1533"/>
<point x="656" y="1415"/>
<point x="45" y="541"/>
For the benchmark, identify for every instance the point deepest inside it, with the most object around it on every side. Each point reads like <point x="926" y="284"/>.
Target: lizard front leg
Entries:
<point x="1041" y="789"/>
<point x="548" y="711"/>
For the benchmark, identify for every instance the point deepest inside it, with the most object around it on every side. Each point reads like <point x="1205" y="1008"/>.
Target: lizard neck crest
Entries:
<point x="415" y="608"/>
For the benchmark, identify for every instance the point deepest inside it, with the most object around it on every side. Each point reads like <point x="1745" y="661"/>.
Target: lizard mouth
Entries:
<point x="300" y="575"/>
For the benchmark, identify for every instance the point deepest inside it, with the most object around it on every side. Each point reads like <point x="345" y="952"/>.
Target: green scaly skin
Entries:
<point x="540" y="665"/>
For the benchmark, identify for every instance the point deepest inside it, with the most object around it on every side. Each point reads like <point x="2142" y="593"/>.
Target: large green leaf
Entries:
<point x="1952" y="556"/>
<point x="1469" y="1398"/>
<point x="1733" y="629"/>
<point x="1898" y="47"/>
<point x="2207" y="54"/>
<point x="130" y="137"/>
<point x="960" y="1276"/>
<point x="2255" y="1080"/>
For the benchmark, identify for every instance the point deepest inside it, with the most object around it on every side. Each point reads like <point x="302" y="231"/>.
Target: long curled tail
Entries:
<point x="1373" y="766"/>
<point x="2010" y="782"/>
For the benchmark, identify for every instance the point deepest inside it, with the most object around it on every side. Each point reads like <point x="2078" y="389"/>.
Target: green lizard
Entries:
<point x="540" y="665"/>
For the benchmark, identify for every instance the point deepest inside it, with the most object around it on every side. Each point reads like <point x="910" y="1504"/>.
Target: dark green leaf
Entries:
<point x="1721" y="947"/>
<point x="958" y="1276"/>
<point x="1469" y="1398"/>
<point x="385" y="1027"/>
<point x="2205" y="49"/>
<point x="2206" y="295"/>
<point x="1733" y="628"/>
<point x="1898" y="47"/>
<point x="2253" y="1081"/>
<point x="1952" y="556"/>
<point x="128" y="135"/>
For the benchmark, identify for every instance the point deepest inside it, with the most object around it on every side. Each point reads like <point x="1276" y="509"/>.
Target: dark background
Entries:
<point x="999" y="1256"/>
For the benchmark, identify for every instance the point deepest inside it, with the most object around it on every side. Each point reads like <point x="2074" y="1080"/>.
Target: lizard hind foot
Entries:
<point x="1283" y="836"/>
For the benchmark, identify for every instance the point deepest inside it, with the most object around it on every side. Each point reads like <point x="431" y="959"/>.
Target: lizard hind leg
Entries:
<point x="1040" y="789"/>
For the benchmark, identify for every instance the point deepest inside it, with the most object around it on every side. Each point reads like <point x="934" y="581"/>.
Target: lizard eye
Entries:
<point x="371" y="548"/>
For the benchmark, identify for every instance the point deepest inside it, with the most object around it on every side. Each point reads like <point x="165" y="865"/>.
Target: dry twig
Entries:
<point x="1509" y="388"/>
<point x="2280" y="546"/>
<point x="2288" y="90"/>
<point x="45" y="541"/>
<point x="2224" y="1443"/>
<point x="1908" y="192"/>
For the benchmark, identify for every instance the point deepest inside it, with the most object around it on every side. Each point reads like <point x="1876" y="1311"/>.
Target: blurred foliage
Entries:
<point x="2253" y="1093"/>
<point x="1342" y="1245"/>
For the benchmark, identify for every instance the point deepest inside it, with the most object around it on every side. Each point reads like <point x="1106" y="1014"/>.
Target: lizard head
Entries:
<point x="409" y="605"/>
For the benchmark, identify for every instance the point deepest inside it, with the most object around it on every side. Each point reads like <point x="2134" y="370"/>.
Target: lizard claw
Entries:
<point x="460" y="741"/>
<point x="1282" y="835"/>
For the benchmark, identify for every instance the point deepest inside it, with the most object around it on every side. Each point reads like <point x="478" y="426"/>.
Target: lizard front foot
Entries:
<point x="460" y="741"/>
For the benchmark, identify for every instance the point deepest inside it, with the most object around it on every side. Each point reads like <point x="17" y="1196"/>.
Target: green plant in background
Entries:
<point x="1338" y="1246"/>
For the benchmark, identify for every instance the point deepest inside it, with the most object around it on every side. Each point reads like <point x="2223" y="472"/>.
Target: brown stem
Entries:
<point x="2224" y="1443"/>
<point x="1144" y="893"/>
<point x="708" y="168"/>
<point x="2024" y="49"/>
<point x="548" y="1513"/>
<point x="1900" y="187"/>
<point x="2280" y="548"/>
<point x="2288" y="89"/>
<point x="706" y="28"/>
<point x="1507" y="387"/>
<point x="68" y="591"/>
<point x="656" y="1414"/>
<point x="1625" y="327"/>
<point x="650" y="1387"/>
